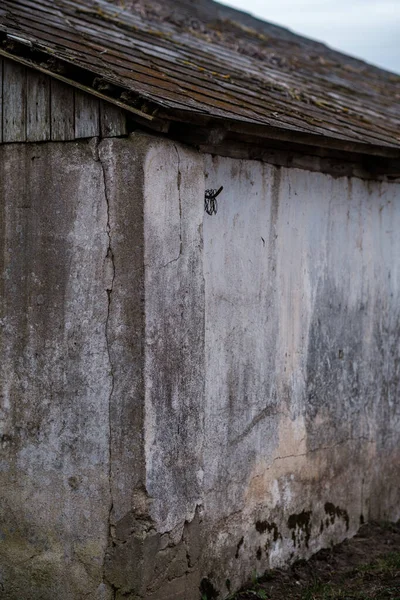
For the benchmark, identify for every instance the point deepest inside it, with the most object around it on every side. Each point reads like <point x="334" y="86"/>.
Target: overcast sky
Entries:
<point x="367" y="29"/>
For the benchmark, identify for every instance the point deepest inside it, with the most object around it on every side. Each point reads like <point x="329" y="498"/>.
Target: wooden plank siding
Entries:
<point x="14" y="102"/>
<point x="112" y="120"/>
<point x="87" y="115"/>
<point x="1" y="100"/>
<point x="35" y="107"/>
<point x="62" y="108"/>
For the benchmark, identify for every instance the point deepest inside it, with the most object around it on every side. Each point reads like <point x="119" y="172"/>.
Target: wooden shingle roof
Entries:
<point x="204" y="64"/>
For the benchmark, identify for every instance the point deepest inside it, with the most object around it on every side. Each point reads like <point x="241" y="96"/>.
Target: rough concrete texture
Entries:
<point x="302" y="413"/>
<point x="87" y="369"/>
<point x="55" y="373"/>
<point x="186" y="399"/>
<point x="155" y="517"/>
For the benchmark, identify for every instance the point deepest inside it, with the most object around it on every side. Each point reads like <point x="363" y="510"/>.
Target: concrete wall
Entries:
<point x="55" y="373"/>
<point x="71" y="362"/>
<point x="186" y="399"/>
<point x="302" y="411"/>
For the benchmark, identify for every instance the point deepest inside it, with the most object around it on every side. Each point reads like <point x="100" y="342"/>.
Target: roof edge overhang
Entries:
<point x="208" y="133"/>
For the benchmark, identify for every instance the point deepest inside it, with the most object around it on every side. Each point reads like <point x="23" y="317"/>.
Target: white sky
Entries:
<point x="367" y="29"/>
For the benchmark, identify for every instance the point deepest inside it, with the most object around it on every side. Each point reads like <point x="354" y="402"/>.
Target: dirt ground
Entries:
<point x="364" y="568"/>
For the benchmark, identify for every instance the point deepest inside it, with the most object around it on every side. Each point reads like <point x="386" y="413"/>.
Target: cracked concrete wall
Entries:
<point x="302" y="412"/>
<point x="186" y="398"/>
<point x="271" y="363"/>
<point x="55" y="378"/>
<point x="87" y="241"/>
<point x="155" y="520"/>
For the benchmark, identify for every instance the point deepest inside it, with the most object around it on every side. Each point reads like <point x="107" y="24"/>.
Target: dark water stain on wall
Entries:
<point x="335" y="511"/>
<point x="337" y="387"/>
<point x="240" y="544"/>
<point x="263" y="526"/>
<point x="348" y="381"/>
<point x="300" y="524"/>
<point x="208" y="590"/>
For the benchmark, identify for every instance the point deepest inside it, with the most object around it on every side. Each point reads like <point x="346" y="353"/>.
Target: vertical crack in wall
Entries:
<point x="110" y="263"/>
<point x="179" y="200"/>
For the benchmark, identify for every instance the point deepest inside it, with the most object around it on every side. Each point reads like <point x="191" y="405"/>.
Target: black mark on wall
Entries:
<point x="240" y="544"/>
<point x="335" y="511"/>
<point x="263" y="526"/>
<point x="301" y="527"/>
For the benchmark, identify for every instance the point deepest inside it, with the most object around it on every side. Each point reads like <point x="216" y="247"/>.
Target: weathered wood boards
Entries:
<point x="36" y="108"/>
<point x="14" y="102"/>
<point x="62" y="111"/>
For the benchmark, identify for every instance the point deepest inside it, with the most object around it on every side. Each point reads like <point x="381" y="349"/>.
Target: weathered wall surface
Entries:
<point x="72" y="339"/>
<point x="55" y="377"/>
<point x="102" y="370"/>
<point x="185" y="398"/>
<point x="156" y="519"/>
<point x="271" y="370"/>
<point x="302" y="411"/>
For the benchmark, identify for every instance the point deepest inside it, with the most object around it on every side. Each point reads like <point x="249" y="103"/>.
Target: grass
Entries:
<point x="366" y="567"/>
<point x="371" y="575"/>
<point x="388" y="565"/>
<point x="371" y="581"/>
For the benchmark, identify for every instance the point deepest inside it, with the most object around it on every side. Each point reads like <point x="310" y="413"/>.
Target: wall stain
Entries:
<point x="263" y="526"/>
<point x="335" y="511"/>
<point x="301" y="527"/>
<point x="240" y="544"/>
<point x="208" y="590"/>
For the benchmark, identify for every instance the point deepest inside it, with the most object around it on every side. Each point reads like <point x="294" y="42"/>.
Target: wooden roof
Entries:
<point x="202" y="63"/>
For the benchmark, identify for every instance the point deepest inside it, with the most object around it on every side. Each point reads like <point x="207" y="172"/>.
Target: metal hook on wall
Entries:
<point x="210" y="201"/>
